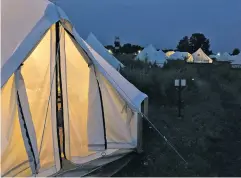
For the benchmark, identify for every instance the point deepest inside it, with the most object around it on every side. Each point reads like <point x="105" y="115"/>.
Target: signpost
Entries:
<point x="179" y="84"/>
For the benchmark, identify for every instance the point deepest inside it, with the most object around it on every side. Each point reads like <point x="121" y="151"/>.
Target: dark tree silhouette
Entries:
<point x="184" y="45"/>
<point x="126" y="48"/>
<point x="192" y="44"/>
<point x="130" y="49"/>
<point x="112" y="48"/>
<point x="198" y="40"/>
<point x="236" y="51"/>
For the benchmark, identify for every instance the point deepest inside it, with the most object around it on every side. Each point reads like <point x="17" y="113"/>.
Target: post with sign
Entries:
<point x="180" y="84"/>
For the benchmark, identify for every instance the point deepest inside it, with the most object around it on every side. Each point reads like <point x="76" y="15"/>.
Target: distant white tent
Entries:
<point x="99" y="48"/>
<point x="213" y="56"/>
<point x="169" y="53"/>
<point x="200" y="57"/>
<point x="42" y="52"/>
<point x="179" y="56"/>
<point x="224" y="57"/>
<point x="236" y="63"/>
<point x="150" y="54"/>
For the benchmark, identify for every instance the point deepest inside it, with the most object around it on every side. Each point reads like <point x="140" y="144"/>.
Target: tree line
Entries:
<point x="186" y="44"/>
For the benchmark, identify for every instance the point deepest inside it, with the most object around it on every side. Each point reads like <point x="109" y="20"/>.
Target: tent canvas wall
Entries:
<point x="99" y="48"/>
<point x="200" y="57"/>
<point x="150" y="54"/>
<point x="100" y="107"/>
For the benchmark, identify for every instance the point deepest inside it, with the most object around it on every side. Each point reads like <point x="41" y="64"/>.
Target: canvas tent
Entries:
<point x="224" y="57"/>
<point x="150" y="54"/>
<point x="169" y="53"/>
<point x="200" y="57"/>
<point x="41" y="54"/>
<point x="180" y="56"/>
<point x="99" y="48"/>
<point x="236" y="63"/>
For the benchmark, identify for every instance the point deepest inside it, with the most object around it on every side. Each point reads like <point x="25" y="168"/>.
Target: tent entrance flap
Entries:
<point x="83" y="119"/>
<point x="39" y="74"/>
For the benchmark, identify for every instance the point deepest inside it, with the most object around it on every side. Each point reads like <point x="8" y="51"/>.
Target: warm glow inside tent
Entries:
<point x="43" y="55"/>
<point x="99" y="48"/>
<point x="169" y="53"/>
<point x="200" y="57"/>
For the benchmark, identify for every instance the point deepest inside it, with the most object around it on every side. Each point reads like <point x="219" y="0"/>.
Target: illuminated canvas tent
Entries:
<point x="200" y="57"/>
<point x="180" y="56"/>
<point x="41" y="52"/>
<point x="150" y="54"/>
<point x="99" y="48"/>
<point x="169" y="53"/>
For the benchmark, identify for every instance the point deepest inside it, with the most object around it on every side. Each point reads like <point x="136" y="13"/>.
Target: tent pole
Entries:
<point x="61" y="95"/>
<point x="57" y="86"/>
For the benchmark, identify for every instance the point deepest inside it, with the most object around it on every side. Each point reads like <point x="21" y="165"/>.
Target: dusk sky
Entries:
<point x="159" y="22"/>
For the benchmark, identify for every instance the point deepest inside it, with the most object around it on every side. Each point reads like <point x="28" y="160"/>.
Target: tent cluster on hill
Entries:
<point x="159" y="57"/>
<point x="101" y="109"/>
<point x="235" y="60"/>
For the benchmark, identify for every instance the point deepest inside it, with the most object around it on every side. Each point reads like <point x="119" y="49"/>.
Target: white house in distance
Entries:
<point x="200" y="57"/>
<point x="99" y="48"/>
<point x="150" y="54"/>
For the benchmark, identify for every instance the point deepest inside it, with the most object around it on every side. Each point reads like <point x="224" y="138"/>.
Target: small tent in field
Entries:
<point x="150" y="54"/>
<point x="236" y="63"/>
<point x="224" y="57"/>
<point x="99" y="48"/>
<point x="179" y="56"/>
<point x="200" y="57"/>
<point x="43" y="59"/>
<point x="169" y="53"/>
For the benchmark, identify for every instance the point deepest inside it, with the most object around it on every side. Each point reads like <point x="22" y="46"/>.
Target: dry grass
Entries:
<point x="208" y="135"/>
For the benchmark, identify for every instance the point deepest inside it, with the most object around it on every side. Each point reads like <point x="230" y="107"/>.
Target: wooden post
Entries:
<point x="144" y="110"/>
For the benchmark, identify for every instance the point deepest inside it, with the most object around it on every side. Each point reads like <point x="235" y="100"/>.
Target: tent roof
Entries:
<point x="99" y="48"/>
<point x="179" y="55"/>
<point x="127" y="90"/>
<point x="200" y="57"/>
<point x="37" y="20"/>
<point x="21" y="25"/>
<point x="225" y="57"/>
<point x="152" y="54"/>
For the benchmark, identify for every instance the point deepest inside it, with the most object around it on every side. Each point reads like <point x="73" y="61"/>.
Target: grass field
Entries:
<point x="208" y="135"/>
